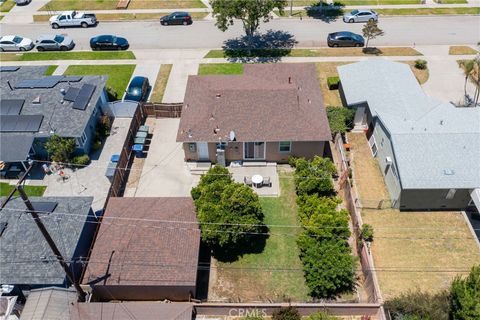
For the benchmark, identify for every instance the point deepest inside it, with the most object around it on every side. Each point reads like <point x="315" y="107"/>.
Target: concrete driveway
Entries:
<point x="165" y="173"/>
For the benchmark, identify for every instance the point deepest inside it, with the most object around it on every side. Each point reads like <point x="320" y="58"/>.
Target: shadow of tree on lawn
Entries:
<point x="270" y="46"/>
<point x="327" y="12"/>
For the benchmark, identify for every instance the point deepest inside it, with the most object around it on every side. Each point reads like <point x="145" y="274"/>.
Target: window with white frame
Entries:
<point x="285" y="146"/>
<point x="81" y="141"/>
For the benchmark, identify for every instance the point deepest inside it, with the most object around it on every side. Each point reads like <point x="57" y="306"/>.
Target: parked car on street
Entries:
<point x="360" y="15"/>
<point x="138" y="89"/>
<point x="54" y="42"/>
<point x="176" y="18"/>
<point x="15" y="43"/>
<point x="22" y="2"/>
<point x="108" y="42"/>
<point x="73" y="19"/>
<point x="345" y="39"/>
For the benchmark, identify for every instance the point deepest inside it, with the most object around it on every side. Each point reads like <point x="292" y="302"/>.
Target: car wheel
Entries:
<point x="1" y="50"/>
<point x="358" y="45"/>
<point x="351" y="21"/>
<point x="84" y="25"/>
<point x="371" y="19"/>
<point x="55" y="26"/>
<point x="63" y="48"/>
<point x="40" y="49"/>
<point x="185" y="23"/>
<point x="335" y="45"/>
<point x="165" y="23"/>
<point x="23" y="49"/>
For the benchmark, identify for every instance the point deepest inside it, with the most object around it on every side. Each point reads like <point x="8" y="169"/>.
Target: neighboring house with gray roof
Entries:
<point x="268" y="113"/>
<point x="428" y="150"/>
<point x="26" y="260"/>
<point x="34" y="105"/>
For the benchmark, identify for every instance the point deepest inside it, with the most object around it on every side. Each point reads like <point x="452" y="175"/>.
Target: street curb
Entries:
<point x="391" y="16"/>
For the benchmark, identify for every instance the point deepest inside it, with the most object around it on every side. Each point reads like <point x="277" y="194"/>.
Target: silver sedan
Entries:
<point x="54" y="43"/>
<point x="15" y="43"/>
<point x="360" y="16"/>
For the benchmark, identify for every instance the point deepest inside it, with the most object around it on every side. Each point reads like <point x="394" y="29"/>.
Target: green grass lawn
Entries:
<point x="61" y="5"/>
<point x="34" y="191"/>
<point x="118" y="75"/>
<point x="50" y="70"/>
<point x="220" y="68"/>
<point x="71" y="55"/>
<point x="7" y="6"/>
<point x="280" y="252"/>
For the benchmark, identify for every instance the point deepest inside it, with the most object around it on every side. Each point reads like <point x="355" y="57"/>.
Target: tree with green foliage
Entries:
<point x="250" y="12"/>
<point x="288" y="313"/>
<point x="227" y="211"/>
<point x="340" y="119"/>
<point x="371" y="31"/>
<point x="321" y="316"/>
<point x="60" y="149"/>
<point x="366" y="232"/>
<point x="328" y="266"/>
<point x="314" y="176"/>
<point x="419" y="305"/>
<point x="465" y="296"/>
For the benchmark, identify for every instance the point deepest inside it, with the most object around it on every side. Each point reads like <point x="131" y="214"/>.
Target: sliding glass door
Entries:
<point x="254" y="150"/>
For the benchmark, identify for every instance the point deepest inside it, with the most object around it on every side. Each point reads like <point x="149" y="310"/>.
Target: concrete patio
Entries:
<point x="238" y="174"/>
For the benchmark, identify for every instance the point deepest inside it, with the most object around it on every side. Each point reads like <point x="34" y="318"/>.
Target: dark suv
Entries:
<point x="176" y="18"/>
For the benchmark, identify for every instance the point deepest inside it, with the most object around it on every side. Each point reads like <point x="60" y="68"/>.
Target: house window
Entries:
<point x="81" y="141"/>
<point x="221" y="146"/>
<point x="450" y="194"/>
<point x="285" y="146"/>
<point x="192" y="147"/>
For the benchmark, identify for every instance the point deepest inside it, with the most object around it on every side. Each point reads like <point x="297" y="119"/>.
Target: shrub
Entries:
<point x="333" y="83"/>
<point x="60" y="149"/>
<point x="419" y="305"/>
<point x="253" y="318"/>
<point x="366" y="233"/>
<point x="111" y="93"/>
<point x="321" y="316"/>
<point x="103" y="126"/>
<point x="421" y="64"/>
<point x="82" y="160"/>
<point x="96" y="145"/>
<point x="465" y="296"/>
<point x="314" y="176"/>
<point x="289" y="313"/>
<point x="340" y="119"/>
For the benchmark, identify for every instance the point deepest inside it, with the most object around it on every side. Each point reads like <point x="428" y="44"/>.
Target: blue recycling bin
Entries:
<point x="115" y="158"/>
<point x="138" y="149"/>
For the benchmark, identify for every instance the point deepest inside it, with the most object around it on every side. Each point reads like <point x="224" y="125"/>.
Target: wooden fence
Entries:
<point x="163" y="110"/>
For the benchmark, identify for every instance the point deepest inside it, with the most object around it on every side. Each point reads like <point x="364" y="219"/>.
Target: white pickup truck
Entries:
<point x="73" y="19"/>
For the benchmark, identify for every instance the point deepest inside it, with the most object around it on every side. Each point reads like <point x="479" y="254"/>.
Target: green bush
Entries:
<point x="96" y="145"/>
<point x="366" y="233"/>
<point x="333" y="83"/>
<point x="465" y="296"/>
<point x="340" y="119"/>
<point x="289" y="313"/>
<point x="103" y="126"/>
<point x="111" y="93"/>
<point x="421" y="64"/>
<point x="321" y="316"/>
<point x="314" y="176"/>
<point x="418" y="305"/>
<point x="82" y="160"/>
<point x="60" y="149"/>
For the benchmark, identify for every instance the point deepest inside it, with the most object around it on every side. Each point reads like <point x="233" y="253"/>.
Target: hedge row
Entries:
<point x="328" y="265"/>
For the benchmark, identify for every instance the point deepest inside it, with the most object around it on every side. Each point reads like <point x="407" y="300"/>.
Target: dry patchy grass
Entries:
<point x="461" y="50"/>
<point x="421" y="75"/>
<point x="161" y="83"/>
<point x="411" y="250"/>
<point x="325" y="70"/>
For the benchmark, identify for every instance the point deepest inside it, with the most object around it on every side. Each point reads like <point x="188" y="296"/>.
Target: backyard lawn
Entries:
<point x="118" y="75"/>
<point x="411" y="250"/>
<point x="220" y="68"/>
<point x="71" y="55"/>
<point x="161" y="83"/>
<point x="60" y="5"/>
<point x="34" y="191"/>
<point x="246" y="279"/>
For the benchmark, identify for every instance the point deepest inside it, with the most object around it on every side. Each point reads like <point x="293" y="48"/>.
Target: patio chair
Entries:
<point x="248" y="181"/>
<point x="266" y="181"/>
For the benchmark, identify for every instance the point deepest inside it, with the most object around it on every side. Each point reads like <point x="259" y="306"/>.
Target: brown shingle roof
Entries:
<point x="272" y="102"/>
<point x="147" y="252"/>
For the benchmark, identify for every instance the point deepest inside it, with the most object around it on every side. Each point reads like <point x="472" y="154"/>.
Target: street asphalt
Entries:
<point x="399" y="31"/>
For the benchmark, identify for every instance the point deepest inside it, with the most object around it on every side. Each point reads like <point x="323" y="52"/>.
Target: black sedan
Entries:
<point x="108" y="42"/>
<point x="345" y="39"/>
<point x="176" y="18"/>
<point x="138" y="89"/>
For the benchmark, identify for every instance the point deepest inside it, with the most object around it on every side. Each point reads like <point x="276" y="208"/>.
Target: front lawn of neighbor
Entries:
<point x="7" y="6"/>
<point x="125" y="16"/>
<point x="61" y="5"/>
<point x="251" y="277"/>
<point x="72" y="55"/>
<point x="220" y="68"/>
<point x="330" y="52"/>
<point x="161" y="83"/>
<point x="118" y="75"/>
<point x="461" y="50"/>
<point x="411" y="250"/>
<point x="33" y="191"/>
<point x="50" y="70"/>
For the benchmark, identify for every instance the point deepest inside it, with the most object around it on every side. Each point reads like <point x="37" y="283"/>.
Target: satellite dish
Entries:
<point x="232" y="136"/>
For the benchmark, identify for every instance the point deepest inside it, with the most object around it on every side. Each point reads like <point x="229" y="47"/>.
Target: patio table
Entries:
<point x="139" y="140"/>
<point x="141" y="134"/>
<point x="143" y="128"/>
<point x="257" y="180"/>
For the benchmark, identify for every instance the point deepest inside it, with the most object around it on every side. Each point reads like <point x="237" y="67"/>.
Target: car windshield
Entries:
<point x="114" y="39"/>
<point x="134" y="91"/>
<point x="17" y="39"/>
<point x="59" y="38"/>
<point x="354" y="12"/>
<point x="356" y="37"/>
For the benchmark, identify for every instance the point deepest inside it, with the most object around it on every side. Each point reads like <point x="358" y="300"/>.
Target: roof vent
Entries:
<point x="36" y="100"/>
<point x="190" y="133"/>
<point x="62" y="91"/>
<point x="388" y="161"/>
<point x="448" y="172"/>
<point x="441" y="122"/>
<point x="289" y="79"/>
<point x="218" y="95"/>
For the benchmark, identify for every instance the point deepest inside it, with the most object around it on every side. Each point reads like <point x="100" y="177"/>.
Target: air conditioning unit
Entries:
<point x="388" y="161"/>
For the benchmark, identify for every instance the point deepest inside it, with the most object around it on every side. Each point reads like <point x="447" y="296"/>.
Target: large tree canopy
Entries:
<point x="251" y="12"/>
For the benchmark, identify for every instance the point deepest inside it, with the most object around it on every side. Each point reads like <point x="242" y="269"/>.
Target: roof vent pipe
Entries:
<point x="441" y="122"/>
<point x="289" y="79"/>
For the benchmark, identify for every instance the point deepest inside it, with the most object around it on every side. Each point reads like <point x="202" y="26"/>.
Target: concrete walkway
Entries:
<point x="177" y="82"/>
<point x="23" y="14"/>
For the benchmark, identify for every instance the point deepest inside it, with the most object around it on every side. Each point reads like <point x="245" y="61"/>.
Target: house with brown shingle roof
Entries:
<point x="268" y="113"/>
<point x="146" y="249"/>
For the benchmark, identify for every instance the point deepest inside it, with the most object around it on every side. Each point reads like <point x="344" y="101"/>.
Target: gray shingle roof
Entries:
<point x="15" y="146"/>
<point x="436" y="144"/>
<point x="60" y="117"/>
<point x="25" y="257"/>
<point x="272" y="102"/>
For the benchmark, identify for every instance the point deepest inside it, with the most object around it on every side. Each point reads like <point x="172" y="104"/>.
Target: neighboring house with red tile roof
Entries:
<point x="146" y="249"/>
<point x="269" y="113"/>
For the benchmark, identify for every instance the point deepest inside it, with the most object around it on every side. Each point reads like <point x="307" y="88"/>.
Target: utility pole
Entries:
<point x="80" y="293"/>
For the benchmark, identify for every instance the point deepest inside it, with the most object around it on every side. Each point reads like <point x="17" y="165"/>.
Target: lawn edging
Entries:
<point x="68" y="55"/>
